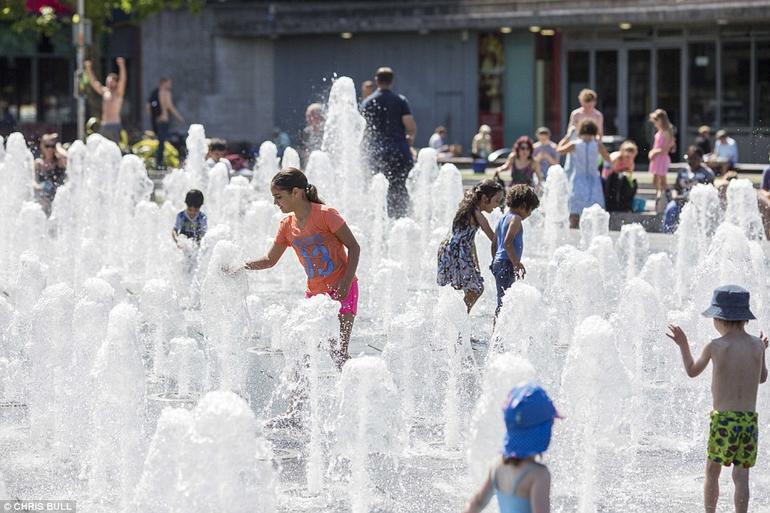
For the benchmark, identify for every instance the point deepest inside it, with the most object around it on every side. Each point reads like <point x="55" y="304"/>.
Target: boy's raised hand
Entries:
<point x="677" y="335"/>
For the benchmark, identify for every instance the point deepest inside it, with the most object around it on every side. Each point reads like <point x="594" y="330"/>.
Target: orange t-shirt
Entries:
<point x="319" y="251"/>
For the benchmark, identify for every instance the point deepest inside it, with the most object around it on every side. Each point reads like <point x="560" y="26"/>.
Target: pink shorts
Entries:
<point x="349" y="305"/>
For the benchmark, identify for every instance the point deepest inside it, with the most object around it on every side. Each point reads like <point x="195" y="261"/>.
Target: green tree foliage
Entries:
<point x="47" y="21"/>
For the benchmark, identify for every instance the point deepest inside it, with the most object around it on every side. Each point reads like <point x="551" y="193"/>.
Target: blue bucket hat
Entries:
<point x="730" y="303"/>
<point x="529" y="414"/>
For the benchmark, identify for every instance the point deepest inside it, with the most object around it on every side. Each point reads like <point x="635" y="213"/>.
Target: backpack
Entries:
<point x="154" y="101"/>
<point x="626" y="194"/>
<point x="619" y="193"/>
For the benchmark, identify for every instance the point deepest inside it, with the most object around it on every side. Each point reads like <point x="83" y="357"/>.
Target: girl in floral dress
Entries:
<point x="458" y="263"/>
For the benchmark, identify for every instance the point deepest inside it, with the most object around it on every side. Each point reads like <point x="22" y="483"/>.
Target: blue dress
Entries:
<point x="585" y="180"/>
<point x="457" y="263"/>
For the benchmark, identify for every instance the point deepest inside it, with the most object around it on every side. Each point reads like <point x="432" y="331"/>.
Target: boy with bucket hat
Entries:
<point x="521" y="484"/>
<point x="739" y="367"/>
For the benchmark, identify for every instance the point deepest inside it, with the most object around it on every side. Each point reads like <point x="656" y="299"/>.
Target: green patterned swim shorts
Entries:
<point x="733" y="438"/>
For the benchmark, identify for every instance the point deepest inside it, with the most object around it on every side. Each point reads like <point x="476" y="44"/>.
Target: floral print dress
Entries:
<point x="458" y="265"/>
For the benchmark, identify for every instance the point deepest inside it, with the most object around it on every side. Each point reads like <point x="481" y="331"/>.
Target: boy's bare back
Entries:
<point x="738" y="363"/>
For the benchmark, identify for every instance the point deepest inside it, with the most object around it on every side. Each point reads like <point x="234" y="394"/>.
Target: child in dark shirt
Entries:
<point x="191" y="222"/>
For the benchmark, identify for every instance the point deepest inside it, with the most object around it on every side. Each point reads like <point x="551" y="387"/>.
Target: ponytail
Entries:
<point x="292" y="178"/>
<point x="312" y="194"/>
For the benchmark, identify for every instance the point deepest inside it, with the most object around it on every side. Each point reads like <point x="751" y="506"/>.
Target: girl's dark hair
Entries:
<point x="521" y="141"/>
<point x="217" y="145"/>
<point x="522" y="195"/>
<point x="694" y="151"/>
<point x="470" y="201"/>
<point x="194" y="198"/>
<point x="588" y="127"/>
<point x="292" y="178"/>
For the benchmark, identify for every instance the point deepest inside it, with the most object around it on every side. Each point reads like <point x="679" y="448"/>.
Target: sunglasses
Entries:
<point x="49" y="146"/>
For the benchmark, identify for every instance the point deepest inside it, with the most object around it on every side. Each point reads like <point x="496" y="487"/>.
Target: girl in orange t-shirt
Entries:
<point x="319" y="237"/>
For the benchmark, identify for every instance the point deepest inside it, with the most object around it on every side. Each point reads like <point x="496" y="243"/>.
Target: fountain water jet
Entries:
<point x="594" y="221"/>
<point x="369" y="422"/>
<point x="117" y="449"/>
<point x="592" y="379"/>
<point x="504" y="371"/>
<point x="267" y="166"/>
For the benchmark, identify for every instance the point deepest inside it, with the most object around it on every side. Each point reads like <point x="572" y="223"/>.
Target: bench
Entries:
<point x="740" y="167"/>
<point x="466" y="162"/>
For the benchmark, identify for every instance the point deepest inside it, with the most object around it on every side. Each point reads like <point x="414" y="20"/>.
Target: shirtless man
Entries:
<point x="738" y="367"/>
<point x="112" y="93"/>
<point x="587" y="110"/>
<point x="161" y="107"/>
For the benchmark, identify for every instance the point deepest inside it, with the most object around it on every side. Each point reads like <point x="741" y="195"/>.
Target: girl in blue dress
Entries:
<point x="586" y="181"/>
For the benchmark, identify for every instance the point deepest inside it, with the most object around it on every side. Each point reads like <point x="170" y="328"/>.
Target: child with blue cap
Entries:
<point x="739" y="367"/>
<point x="521" y="484"/>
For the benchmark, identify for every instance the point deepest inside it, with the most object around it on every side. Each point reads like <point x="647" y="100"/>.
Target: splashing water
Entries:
<point x="102" y="316"/>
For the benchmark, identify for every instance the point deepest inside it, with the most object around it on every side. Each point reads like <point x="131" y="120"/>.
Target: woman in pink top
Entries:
<point x="659" y="154"/>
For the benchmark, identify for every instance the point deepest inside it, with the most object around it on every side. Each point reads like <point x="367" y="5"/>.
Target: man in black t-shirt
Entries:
<point x="390" y="132"/>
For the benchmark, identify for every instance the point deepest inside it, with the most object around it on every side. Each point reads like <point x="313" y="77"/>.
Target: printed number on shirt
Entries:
<point x="316" y="258"/>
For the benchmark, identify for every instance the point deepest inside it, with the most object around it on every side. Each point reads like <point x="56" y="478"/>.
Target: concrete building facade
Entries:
<point x="245" y="67"/>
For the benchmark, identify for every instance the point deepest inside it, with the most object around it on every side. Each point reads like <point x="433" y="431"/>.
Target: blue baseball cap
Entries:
<point x="730" y="303"/>
<point x="528" y="414"/>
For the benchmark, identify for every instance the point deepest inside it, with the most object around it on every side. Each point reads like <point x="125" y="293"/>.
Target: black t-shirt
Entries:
<point x="703" y="143"/>
<point x="383" y="111"/>
<point x="154" y="101"/>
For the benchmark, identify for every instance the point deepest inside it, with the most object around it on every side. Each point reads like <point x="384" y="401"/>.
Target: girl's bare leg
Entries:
<point x="471" y="296"/>
<point x="340" y="354"/>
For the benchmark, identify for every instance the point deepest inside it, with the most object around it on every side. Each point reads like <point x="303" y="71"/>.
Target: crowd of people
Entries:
<point x="595" y="174"/>
<point x="608" y="179"/>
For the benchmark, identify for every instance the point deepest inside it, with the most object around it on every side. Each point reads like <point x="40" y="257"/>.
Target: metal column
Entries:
<point x="81" y="56"/>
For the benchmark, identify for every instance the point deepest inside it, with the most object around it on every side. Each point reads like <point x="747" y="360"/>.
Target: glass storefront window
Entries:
<point x="54" y="92"/>
<point x="547" y="112"/>
<point x="639" y="100"/>
<point x="762" y="100"/>
<point x="702" y="88"/>
<point x="15" y="77"/>
<point x="607" y="88"/>
<point x="669" y="82"/>
<point x="736" y="86"/>
<point x="491" y="68"/>
<point x="578" y="77"/>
